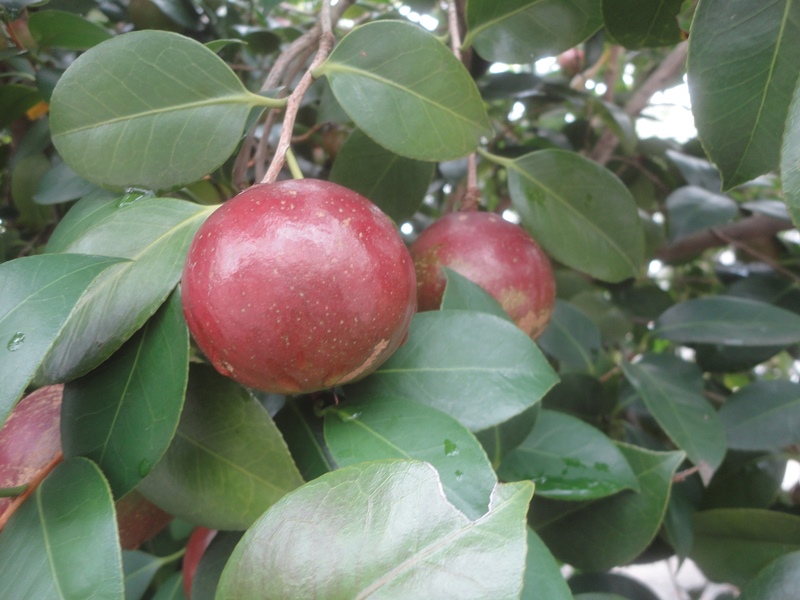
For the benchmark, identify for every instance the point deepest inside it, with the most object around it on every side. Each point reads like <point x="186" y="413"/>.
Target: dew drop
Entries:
<point x="16" y="341"/>
<point x="132" y="195"/>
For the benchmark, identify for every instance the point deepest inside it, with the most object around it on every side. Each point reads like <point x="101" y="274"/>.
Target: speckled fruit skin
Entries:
<point x="497" y="255"/>
<point x="298" y="286"/>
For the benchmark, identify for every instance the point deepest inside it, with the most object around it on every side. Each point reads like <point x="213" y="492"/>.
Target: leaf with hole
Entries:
<point x="381" y="528"/>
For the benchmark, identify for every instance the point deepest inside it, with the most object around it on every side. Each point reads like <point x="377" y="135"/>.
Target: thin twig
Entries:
<point x="755" y="253"/>
<point x="452" y="25"/>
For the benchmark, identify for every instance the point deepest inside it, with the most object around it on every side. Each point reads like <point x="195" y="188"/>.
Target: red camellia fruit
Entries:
<point x="196" y="547"/>
<point x="493" y="253"/>
<point x="298" y="286"/>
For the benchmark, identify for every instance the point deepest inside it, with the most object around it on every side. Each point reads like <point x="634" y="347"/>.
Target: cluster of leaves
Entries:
<point x="414" y="482"/>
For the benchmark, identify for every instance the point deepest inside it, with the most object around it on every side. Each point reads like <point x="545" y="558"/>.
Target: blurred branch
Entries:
<point x="738" y="233"/>
<point x="658" y="80"/>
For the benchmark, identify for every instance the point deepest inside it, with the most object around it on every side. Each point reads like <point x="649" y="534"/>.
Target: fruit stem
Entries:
<point x="326" y="40"/>
<point x="498" y="160"/>
<point x="10" y="492"/>
<point x="294" y="167"/>
<point x="30" y="488"/>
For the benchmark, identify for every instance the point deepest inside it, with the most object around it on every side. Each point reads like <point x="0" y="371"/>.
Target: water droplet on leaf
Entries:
<point x="16" y="341"/>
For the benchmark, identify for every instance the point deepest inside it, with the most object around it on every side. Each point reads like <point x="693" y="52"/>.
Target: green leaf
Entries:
<point x="746" y="480"/>
<point x="393" y="428"/>
<point x="729" y="321"/>
<point x="63" y="543"/>
<point x="302" y="430"/>
<point x="61" y="29"/>
<point x="764" y="415"/>
<point x="691" y="209"/>
<point x="779" y="580"/>
<point x="369" y="538"/>
<point x="40" y="296"/>
<point x="609" y="586"/>
<point x="569" y="460"/>
<point x="790" y="158"/>
<point x="15" y="99"/>
<point x="436" y="111"/>
<point x="734" y="544"/>
<point x="672" y="390"/>
<point x="462" y="294"/>
<point x="25" y="177"/>
<point x="597" y="535"/>
<point x="395" y="183"/>
<point x="171" y="589"/>
<point x="62" y="184"/>
<point x="520" y="31"/>
<point x="563" y="196"/>
<point x="149" y="109"/>
<point x="462" y="362"/>
<point x="543" y="577"/>
<point x="154" y="233"/>
<point x="501" y="439"/>
<point x="124" y="414"/>
<point x="581" y="396"/>
<point x="742" y="73"/>
<point x="227" y="463"/>
<point x="636" y="24"/>
<point x="81" y="217"/>
<point x="572" y="338"/>
<point x="211" y="565"/>
<point x="139" y="568"/>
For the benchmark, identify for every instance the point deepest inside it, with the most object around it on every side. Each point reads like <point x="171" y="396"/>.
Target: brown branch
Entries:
<point x="658" y="80"/>
<point x="734" y="233"/>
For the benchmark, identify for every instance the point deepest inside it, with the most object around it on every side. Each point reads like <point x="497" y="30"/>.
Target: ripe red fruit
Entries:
<point x="493" y="253"/>
<point x="196" y="547"/>
<point x="298" y="286"/>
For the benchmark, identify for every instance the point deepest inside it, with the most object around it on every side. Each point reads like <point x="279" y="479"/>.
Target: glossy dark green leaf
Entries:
<point x="599" y="534"/>
<point x="154" y="233"/>
<point x="776" y="209"/>
<point x="543" y="577"/>
<point x="742" y="73"/>
<point x="696" y="171"/>
<point x="81" y="217"/>
<point x="569" y="460"/>
<point x="395" y="183"/>
<point x="764" y="415"/>
<point x="110" y="103"/>
<point x="209" y="569"/>
<point x="729" y="321"/>
<point x="571" y="338"/>
<point x="366" y="532"/>
<point x="462" y="294"/>
<point x="15" y="99"/>
<point x="691" y="209"/>
<point x="434" y="118"/>
<point x="779" y="580"/>
<point x="388" y="427"/>
<point x="460" y="362"/>
<point x="227" y="463"/>
<point x="139" y="568"/>
<point x="40" y="296"/>
<point x="302" y="430"/>
<point x="61" y="29"/>
<point x="62" y="184"/>
<point x="501" y="439"/>
<point x="520" y="31"/>
<point x="171" y="589"/>
<point x="123" y="414"/>
<point x="63" y="543"/>
<point x="581" y="396"/>
<point x="746" y="480"/>
<point x="678" y="528"/>
<point x="637" y="24"/>
<point x="563" y="196"/>
<point x="734" y="544"/>
<point x="672" y="390"/>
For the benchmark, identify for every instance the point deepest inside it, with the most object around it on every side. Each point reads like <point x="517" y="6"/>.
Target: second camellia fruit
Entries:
<point x="298" y="286"/>
<point x="493" y="253"/>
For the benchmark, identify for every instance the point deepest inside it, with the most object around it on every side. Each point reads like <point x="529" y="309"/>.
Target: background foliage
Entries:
<point x="655" y="416"/>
